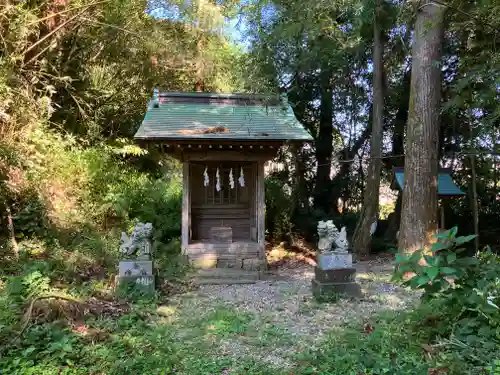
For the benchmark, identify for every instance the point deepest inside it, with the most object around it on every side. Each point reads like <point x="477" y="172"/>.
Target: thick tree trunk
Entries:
<point x="324" y="148"/>
<point x="398" y="160"/>
<point x="419" y="210"/>
<point x="393" y="221"/>
<point x="369" y="212"/>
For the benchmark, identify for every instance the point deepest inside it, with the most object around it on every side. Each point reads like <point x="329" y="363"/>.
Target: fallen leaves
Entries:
<point x="173" y="287"/>
<point x="54" y="307"/>
<point x="90" y="334"/>
<point x="428" y="351"/>
<point x="437" y="371"/>
<point x="368" y="328"/>
<point x="211" y="130"/>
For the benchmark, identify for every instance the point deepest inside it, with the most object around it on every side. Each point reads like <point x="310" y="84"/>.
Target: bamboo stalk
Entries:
<point x="53" y="32"/>
<point x="10" y="226"/>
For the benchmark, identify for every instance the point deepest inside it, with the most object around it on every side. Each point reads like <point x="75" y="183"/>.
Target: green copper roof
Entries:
<point x="446" y="186"/>
<point x="184" y="116"/>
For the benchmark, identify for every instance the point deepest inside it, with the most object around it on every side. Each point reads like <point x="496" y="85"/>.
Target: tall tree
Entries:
<point x="369" y="213"/>
<point x="419" y="207"/>
<point x="324" y="146"/>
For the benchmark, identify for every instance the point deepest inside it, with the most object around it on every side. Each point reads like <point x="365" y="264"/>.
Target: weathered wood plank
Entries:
<point x="218" y="206"/>
<point x="260" y="207"/>
<point x="221" y="216"/>
<point x="217" y="248"/>
<point x="186" y="193"/>
<point x="224" y="155"/>
<point x="222" y="257"/>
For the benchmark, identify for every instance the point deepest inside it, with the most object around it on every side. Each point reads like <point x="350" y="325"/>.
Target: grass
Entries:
<point x="192" y="335"/>
<point x="152" y="339"/>
<point x="225" y="322"/>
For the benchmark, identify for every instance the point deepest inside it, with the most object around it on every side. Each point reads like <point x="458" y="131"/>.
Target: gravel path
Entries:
<point x="287" y="319"/>
<point x="289" y="301"/>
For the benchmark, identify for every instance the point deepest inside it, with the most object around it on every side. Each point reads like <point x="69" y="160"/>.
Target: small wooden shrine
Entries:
<point x="446" y="187"/>
<point x="223" y="141"/>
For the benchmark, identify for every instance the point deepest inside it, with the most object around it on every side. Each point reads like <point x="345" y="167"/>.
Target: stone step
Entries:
<point x="227" y="273"/>
<point x="214" y="281"/>
<point x="220" y="276"/>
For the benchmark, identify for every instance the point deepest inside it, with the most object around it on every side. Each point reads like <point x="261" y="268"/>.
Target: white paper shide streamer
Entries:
<point x="231" y="178"/>
<point x="206" y="179"/>
<point x="217" y="180"/>
<point x="241" y="180"/>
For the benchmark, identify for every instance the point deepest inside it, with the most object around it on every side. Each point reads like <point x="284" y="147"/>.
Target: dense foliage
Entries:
<point x="321" y="55"/>
<point x="465" y="289"/>
<point x="75" y="79"/>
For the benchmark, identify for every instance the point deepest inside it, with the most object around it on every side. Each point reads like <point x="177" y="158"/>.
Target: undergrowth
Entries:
<point x="69" y="203"/>
<point x="140" y="340"/>
<point x="84" y="335"/>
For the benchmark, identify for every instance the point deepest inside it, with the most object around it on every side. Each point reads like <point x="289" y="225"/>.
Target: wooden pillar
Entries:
<point x="186" y="207"/>
<point x="260" y="207"/>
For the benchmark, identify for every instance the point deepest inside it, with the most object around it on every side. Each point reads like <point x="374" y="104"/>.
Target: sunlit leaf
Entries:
<point x="432" y="272"/>
<point x="415" y="257"/>
<point x="439" y="246"/>
<point x="421" y="280"/>
<point x="400" y="258"/>
<point x="451" y="257"/>
<point x="450" y="233"/>
<point x="448" y="270"/>
<point x="463" y="239"/>
<point x="430" y="260"/>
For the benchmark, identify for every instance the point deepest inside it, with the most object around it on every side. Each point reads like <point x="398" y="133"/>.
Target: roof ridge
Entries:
<point x="166" y="94"/>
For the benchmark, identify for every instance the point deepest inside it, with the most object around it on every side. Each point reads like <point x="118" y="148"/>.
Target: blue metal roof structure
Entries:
<point x="446" y="186"/>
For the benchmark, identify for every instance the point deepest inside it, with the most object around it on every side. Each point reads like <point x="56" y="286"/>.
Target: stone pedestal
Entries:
<point x="332" y="284"/>
<point x="138" y="267"/>
<point x="334" y="276"/>
<point x="334" y="260"/>
<point x="340" y="275"/>
<point x="136" y="275"/>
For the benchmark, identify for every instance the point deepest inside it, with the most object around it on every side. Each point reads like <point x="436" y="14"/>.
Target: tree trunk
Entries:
<point x="299" y="192"/>
<point x="369" y="212"/>
<point x="393" y="221"/>
<point x="340" y="183"/>
<point x="419" y="220"/>
<point x="324" y="149"/>
<point x="474" y="200"/>
<point x="398" y="160"/>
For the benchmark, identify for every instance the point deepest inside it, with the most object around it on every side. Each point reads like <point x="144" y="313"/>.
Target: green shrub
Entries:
<point x="467" y="290"/>
<point x="278" y="208"/>
<point x="80" y="199"/>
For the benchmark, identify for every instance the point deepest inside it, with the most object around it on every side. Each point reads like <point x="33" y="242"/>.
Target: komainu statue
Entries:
<point x="330" y="239"/>
<point x="138" y="242"/>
